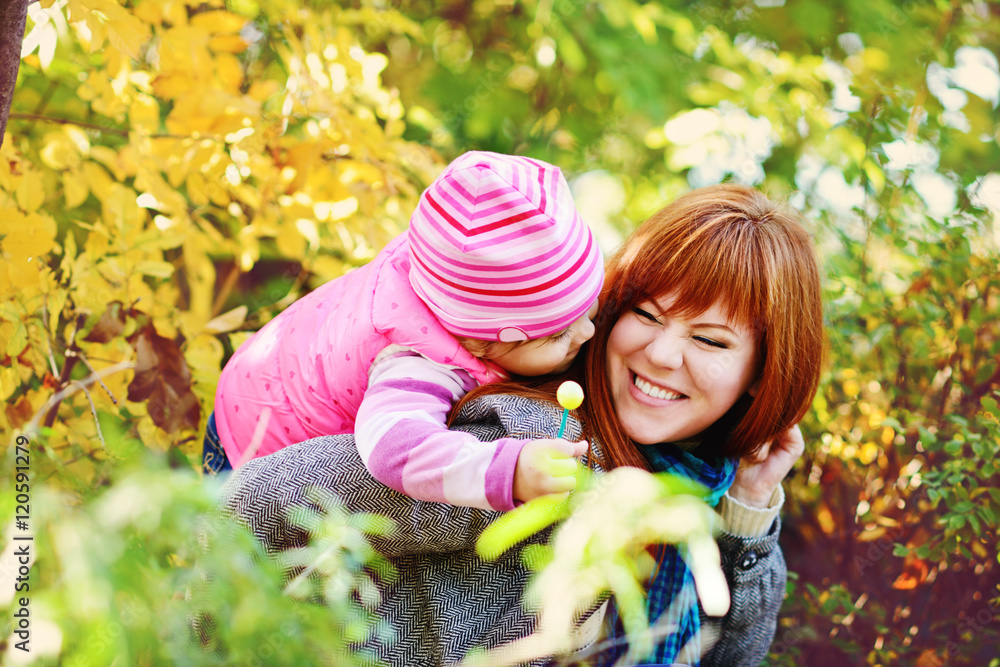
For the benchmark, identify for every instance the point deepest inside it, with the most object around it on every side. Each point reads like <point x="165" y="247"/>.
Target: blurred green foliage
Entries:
<point x="877" y="119"/>
<point x="131" y="573"/>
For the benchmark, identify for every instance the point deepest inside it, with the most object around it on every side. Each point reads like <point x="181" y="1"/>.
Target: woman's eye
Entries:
<point x="710" y="342"/>
<point x="646" y="315"/>
<point x="562" y="335"/>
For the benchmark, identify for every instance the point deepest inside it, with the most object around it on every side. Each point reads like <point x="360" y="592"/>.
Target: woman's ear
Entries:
<point x="754" y="388"/>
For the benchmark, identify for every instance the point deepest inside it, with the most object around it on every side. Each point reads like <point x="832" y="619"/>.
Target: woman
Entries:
<point x="708" y="347"/>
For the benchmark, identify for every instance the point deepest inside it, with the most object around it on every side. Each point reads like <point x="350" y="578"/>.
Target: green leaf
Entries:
<point x="521" y="523"/>
<point x="990" y="405"/>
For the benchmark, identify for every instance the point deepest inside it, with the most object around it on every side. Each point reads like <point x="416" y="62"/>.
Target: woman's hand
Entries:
<point x="758" y="477"/>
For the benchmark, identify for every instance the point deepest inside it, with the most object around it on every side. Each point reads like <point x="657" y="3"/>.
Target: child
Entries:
<point x="497" y="274"/>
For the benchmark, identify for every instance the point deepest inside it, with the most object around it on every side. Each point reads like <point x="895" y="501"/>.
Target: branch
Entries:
<point x="13" y="17"/>
<point x="93" y="410"/>
<point x="48" y="341"/>
<point x="100" y="128"/>
<point x="69" y="362"/>
<point x="72" y="388"/>
<point x="66" y="121"/>
<point x="227" y="287"/>
<point x="103" y="386"/>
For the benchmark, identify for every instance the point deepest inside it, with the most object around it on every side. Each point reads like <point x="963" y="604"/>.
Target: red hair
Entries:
<point x="726" y="244"/>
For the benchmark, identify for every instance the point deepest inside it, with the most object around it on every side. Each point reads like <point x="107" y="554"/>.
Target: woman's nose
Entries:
<point x="667" y="349"/>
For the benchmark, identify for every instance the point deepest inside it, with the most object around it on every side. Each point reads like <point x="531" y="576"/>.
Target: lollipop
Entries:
<point x="570" y="396"/>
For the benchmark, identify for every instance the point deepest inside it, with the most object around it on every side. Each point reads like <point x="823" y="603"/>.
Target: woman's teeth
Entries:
<point x="655" y="392"/>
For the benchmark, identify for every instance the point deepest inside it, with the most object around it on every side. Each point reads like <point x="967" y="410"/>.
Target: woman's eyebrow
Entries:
<point x="714" y="325"/>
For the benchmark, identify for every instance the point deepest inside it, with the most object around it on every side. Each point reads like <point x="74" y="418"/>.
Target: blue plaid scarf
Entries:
<point x="672" y="580"/>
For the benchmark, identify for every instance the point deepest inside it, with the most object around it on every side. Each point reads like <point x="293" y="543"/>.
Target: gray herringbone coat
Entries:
<point x="445" y="601"/>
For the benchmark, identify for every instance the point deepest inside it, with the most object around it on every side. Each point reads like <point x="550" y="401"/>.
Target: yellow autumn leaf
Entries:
<point x="156" y="269"/>
<point x="229" y="73"/>
<point x="184" y="50"/>
<point x="128" y="35"/>
<point x="227" y="321"/>
<point x="290" y="242"/>
<point x="98" y="181"/>
<point x="22" y="272"/>
<point x="97" y="241"/>
<point x="152" y="186"/>
<point x="203" y="355"/>
<point x="171" y="86"/>
<point x="218" y="21"/>
<point x="17" y="339"/>
<point x="76" y="11"/>
<point x="238" y="338"/>
<point x="31" y="191"/>
<point x="95" y="31"/>
<point x="110" y="158"/>
<point x="10" y="219"/>
<point x="138" y="290"/>
<point x="149" y="11"/>
<point x="201" y="275"/>
<point x="144" y="113"/>
<point x="119" y="208"/>
<point x="8" y="382"/>
<point x="227" y="44"/>
<point x="197" y="189"/>
<point x="327" y="267"/>
<point x="124" y="30"/>
<point x="58" y="152"/>
<point x="75" y="189"/>
<point x="261" y="90"/>
<point x="27" y="235"/>
<point x="153" y="436"/>
<point x="191" y="115"/>
<point x="175" y="13"/>
<point x="56" y="302"/>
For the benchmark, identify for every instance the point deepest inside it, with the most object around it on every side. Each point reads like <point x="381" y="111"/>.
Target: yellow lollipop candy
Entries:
<point x="570" y="396"/>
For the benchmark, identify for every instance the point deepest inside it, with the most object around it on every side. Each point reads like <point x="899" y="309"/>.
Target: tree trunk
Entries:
<point x="13" y="15"/>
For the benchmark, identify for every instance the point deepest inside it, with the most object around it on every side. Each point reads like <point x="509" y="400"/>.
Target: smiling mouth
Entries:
<point x="653" y="391"/>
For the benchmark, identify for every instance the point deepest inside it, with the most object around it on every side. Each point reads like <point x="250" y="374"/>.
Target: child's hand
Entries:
<point x="546" y="466"/>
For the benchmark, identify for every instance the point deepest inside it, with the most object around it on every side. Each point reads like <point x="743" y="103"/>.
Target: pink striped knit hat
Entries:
<point x="499" y="251"/>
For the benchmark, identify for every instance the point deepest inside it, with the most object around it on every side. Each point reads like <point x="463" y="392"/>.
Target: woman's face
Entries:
<point x="672" y="377"/>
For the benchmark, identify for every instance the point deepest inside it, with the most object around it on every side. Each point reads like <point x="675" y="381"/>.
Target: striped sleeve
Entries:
<point x="402" y="438"/>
